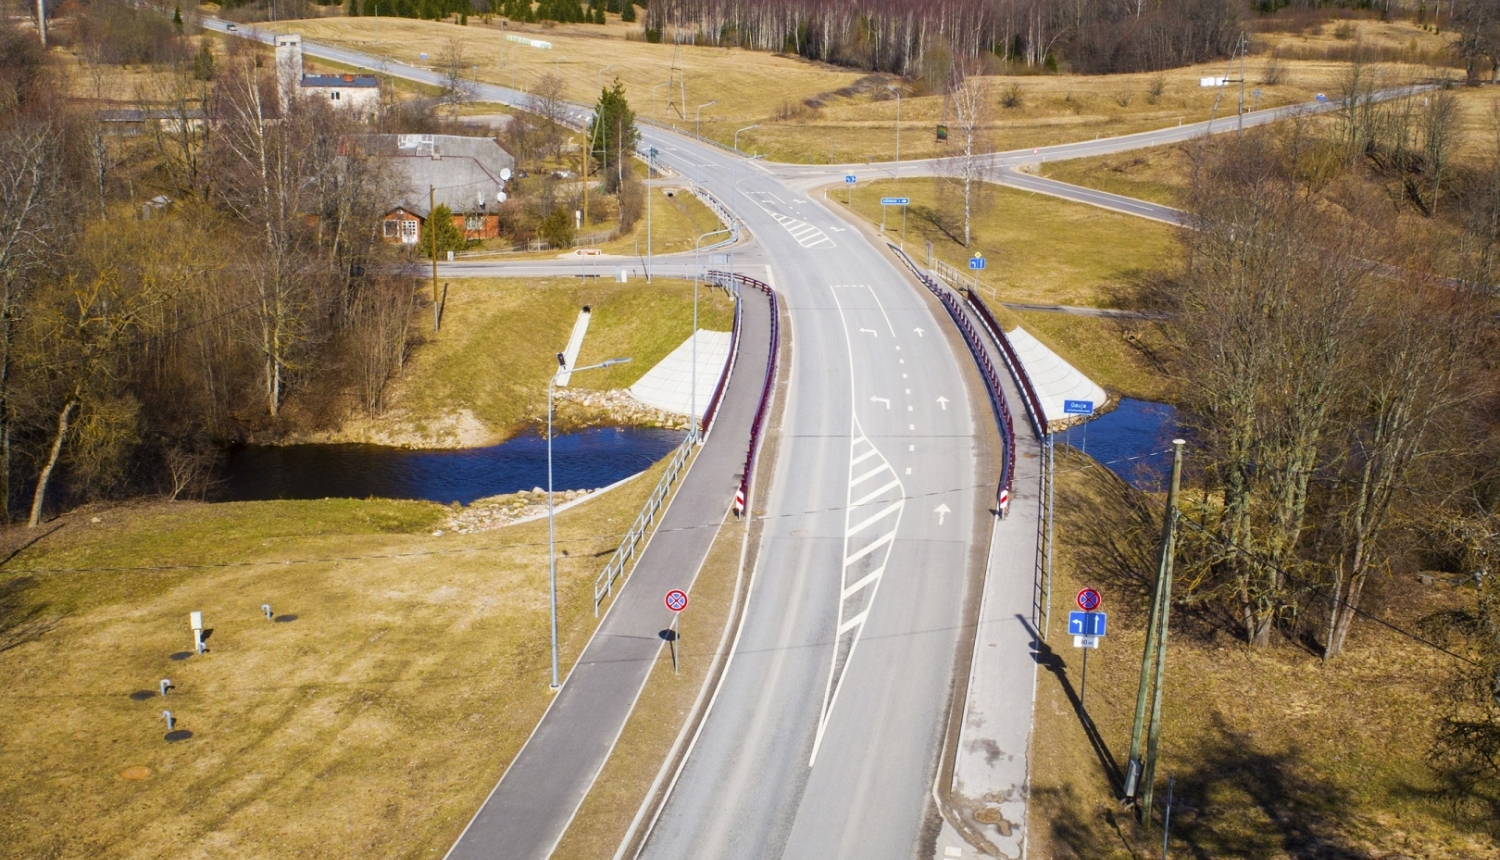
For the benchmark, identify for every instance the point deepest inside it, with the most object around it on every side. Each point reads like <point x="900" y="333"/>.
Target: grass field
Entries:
<point x="1275" y="754"/>
<point x="1042" y="250"/>
<point x="810" y="112"/>
<point x="484" y="376"/>
<point x="406" y="672"/>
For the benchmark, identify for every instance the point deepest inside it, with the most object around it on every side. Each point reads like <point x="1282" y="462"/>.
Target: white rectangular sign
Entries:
<point x="1085" y="641"/>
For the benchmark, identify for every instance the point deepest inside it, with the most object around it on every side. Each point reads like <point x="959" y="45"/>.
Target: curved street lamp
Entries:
<point x="698" y="117"/>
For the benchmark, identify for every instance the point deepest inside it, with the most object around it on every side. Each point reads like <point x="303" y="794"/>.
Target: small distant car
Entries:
<point x="563" y="174"/>
<point x="230" y="28"/>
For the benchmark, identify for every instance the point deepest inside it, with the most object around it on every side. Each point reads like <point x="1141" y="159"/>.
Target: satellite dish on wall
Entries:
<point x="505" y="174"/>
<point x="499" y="196"/>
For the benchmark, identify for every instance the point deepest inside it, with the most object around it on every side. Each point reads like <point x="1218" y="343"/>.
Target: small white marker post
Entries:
<point x="167" y="715"/>
<point x="166" y="684"/>
<point x="266" y="608"/>
<point x="196" y="620"/>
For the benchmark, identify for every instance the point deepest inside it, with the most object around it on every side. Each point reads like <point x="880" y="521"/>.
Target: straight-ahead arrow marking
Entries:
<point x="942" y="512"/>
<point x="918" y="331"/>
<point x="943" y="402"/>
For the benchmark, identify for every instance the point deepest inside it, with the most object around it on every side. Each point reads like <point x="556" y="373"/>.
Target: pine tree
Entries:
<point x="627" y="12"/>
<point x="177" y="19"/>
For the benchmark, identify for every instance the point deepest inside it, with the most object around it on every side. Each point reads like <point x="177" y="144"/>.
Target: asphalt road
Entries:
<point x="824" y="736"/>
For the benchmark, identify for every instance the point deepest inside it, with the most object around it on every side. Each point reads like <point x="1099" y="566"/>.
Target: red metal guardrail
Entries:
<point x="724" y="278"/>
<point x="1017" y="369"/>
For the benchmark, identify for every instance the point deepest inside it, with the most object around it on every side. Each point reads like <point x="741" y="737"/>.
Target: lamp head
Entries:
<point x="562" y="361"/>
<point x="614" y="361"/>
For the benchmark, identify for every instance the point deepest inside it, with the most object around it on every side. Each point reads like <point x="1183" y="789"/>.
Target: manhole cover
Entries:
<point x="135" y="772"/>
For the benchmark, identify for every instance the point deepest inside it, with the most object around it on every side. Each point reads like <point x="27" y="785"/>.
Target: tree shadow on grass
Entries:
<point x="1239" y="800"/>
<point x="1114" y="533"/>
<point x="21" y="619"/>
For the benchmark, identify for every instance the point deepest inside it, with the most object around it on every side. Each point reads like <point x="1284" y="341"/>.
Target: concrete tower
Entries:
<point x="288" y="66"/>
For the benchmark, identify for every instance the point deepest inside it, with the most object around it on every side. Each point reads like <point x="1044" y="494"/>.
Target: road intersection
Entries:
<point x="882" y="572"/>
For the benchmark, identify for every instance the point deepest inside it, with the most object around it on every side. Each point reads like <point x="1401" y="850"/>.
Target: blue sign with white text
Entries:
<point x="849" y="178"/>
<point x="894" y="201"/>
<point x="1087" y="623"/>
<point x="1078" y="407"/>
<point x="976" y="262"/>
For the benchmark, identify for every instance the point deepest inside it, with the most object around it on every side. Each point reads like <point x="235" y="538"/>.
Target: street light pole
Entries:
<point x="898" y="125"/>
<point x="737" y="135"/>
<point x="650" y="169"/>
<point x="656" y="114"/>
<point x="698" y="117"/>
<point x="601" y="75"/>
<point x="562" y="365"/>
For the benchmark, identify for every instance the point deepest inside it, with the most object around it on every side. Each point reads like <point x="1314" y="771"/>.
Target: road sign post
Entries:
<point x="894" y="201"/>
<point x="676" y="600"/>
<point x="976" y="265"/>
<point x="849" y="180"/>
<point x="1080" y="407"/>
<point x="1087" y="627"/>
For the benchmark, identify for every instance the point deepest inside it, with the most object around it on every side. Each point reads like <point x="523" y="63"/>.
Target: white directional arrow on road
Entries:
<point x="918" y="331"/>
<point x="885" y="400"/>
<point x="943" y="402"/>
<point x="942" y="511"/>
<point x="871" y="331"/>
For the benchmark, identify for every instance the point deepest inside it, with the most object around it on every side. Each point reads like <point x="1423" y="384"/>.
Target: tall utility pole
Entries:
<point x="898" y="124"/>
<point x="1139" y="775"/>
<point x="41" y="21"/>
<point x="432" y="228"/>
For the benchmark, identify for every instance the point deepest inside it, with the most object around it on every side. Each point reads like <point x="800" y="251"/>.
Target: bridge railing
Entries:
<point x="728" y="372"/>
<point x="1017" y="370"/>
<point x="981" y="358"/>
<point x="769" y="383"/>
<point x="604" y="583"/>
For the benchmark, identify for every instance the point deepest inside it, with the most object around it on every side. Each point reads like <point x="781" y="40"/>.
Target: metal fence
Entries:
<point x="769" y="383"/>
<point x="604" y="584"/>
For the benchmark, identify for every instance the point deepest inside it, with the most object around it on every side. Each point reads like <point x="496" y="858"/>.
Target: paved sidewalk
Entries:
<point x="526" y="814"/>
<point x="991" y="764"/>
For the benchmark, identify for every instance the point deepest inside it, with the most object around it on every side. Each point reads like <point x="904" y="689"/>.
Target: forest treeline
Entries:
<point x="139" y="331"/>
<point x="913" y="37"/>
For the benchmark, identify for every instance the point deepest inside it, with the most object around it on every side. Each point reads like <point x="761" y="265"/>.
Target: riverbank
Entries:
<point x="483" y="378"/>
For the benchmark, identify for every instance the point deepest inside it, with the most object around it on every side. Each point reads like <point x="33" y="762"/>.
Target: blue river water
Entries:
<point x="1134" y="440"/>
<point x="586" y="459"/>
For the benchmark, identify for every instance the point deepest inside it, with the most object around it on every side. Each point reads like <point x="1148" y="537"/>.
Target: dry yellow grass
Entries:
<point x="372" y="725"/>
<point x="1042" y="250"/>
<point x="856" y="116"/>
<point x="1275" y="753"/>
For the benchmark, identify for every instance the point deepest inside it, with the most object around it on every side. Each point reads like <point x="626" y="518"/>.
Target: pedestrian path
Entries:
<point x="530" y="808"/>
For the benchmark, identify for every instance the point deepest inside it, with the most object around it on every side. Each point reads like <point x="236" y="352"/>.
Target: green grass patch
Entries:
<point x="1161" y="174"/>
<point x="496" y="349"/>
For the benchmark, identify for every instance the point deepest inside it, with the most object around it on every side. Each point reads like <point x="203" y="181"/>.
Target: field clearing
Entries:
<point x="483" y="378"/>
<point x="406" y="672"/>
<point x="1042" y="250"/>
<point x="855" y="115"/>
<point x="1275" y="754"/>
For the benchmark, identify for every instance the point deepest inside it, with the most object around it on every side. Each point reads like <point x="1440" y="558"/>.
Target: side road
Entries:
<point x="526" y="814"/>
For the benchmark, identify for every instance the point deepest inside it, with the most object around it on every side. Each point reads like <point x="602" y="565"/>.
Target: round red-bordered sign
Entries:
<point x="677" y="600"/>
<point x="1089" y="600"/>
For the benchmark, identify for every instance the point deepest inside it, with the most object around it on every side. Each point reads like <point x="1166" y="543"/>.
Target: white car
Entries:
<point x="230" y="28"/>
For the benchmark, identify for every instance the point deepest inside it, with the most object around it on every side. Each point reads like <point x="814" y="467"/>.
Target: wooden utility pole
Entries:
<point x="1154" y="656"/>
<point x="41" y="21"/>
<point x="432" y="228"/>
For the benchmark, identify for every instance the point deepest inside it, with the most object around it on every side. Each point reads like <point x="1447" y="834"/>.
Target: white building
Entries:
<point x="359" y="93"/>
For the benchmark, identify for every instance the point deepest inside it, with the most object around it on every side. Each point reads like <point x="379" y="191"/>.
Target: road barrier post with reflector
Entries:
<point x="739" y="503"/>
<point x="1004" y="503"/>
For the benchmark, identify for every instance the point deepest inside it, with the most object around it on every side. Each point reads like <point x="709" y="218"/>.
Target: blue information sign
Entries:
<point x="1078" y="407"/>
<point x="1087" y="623"/>
<point x="848" y="178"/>
<point x="976" y="262"/>
<point x="894" y="201"/>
